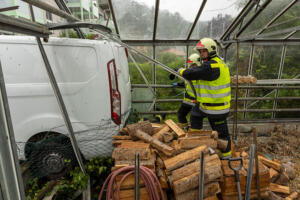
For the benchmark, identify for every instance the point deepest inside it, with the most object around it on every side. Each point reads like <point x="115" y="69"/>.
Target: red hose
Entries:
<point x="147" y="175"/>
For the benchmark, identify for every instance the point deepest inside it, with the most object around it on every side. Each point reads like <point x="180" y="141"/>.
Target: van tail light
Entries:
<point x="126" y="51"/>
<point x="115" y="95"/>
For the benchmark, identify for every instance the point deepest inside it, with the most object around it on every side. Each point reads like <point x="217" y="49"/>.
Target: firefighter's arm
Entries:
<point x="204" y="72"/>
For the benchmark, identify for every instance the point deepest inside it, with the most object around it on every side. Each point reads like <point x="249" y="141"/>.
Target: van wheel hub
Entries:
<point x="54" y="163"/>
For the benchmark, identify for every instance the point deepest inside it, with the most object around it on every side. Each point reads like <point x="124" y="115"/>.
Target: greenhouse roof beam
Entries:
<point x="9" y="8"/>
<point x="157" y="2"/>
<point x="256" y="14"/>
<point x="196" y="19"/>
<point x="265" y="41"/>
<point x="113" y="16"/>
<point x="160" y="42"/>
<point x="238" y="19"/>
<point x="277" y="16"/>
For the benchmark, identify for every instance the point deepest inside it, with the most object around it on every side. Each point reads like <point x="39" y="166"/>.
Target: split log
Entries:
<point x="156" y="125"/>
<point x="124" y="131"/>
<point x="273" y="196"/>
<point x="167" y="137"/>
<point x="175" y="128"/>
<point x="282" y="179"/>
<point x="190" y="142"/>
<point x="126" y="151"/>
<point x="209" y="190"/>
<point x="117" y="143"/>
<point x="158" y="135"/>
<point x="293" y="196"/>
<point x="279" y="188"/>
<point x="273" y="164"/>
<point x="273" y="175"/>
<point x="211" y="134"/>
<point x="187" y="183"/>
<point x="154" y="142"/>
<point x="194" y="167"/>
<point x="184" y="158"/>
<point x="128" y="183"/>
<point x="144" y="126"/>
<point x="122" y="137"/>
<point x="129" y="194"/>
<point x="214" y="197"/>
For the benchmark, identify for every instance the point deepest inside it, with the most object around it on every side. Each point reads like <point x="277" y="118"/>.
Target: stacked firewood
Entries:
<point x="244" y="79"/>
<point x="172" y="154"/>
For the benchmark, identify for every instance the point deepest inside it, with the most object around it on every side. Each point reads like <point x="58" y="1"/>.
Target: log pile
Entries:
<point x="173" y="155"/>
<point x="244" y="79"/>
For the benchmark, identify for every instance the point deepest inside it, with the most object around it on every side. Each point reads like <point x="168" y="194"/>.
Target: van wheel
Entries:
<point x="52" y="160"/>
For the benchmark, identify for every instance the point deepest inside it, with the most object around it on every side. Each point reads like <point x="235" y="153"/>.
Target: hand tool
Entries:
<point x="250" y="170"/>
<point x="236" y="173"/>
<point x="201" y="176"/>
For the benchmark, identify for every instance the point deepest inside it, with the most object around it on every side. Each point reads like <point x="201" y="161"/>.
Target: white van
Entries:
<point x="93" y="78"/>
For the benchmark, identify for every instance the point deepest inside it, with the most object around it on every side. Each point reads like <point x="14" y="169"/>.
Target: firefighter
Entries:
<point x="189" y="97"/>
<point x="213" y="91"/>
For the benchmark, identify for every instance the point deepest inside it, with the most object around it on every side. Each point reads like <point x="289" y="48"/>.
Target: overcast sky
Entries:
<point x="188" y="8"/>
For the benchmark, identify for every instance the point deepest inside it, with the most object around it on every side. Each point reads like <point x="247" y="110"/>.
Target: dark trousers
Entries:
<point x="183" y="112"/>
<point x="217" y="123"/>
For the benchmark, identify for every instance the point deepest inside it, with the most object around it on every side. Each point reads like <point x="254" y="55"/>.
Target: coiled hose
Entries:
<point x="147" y="175"/>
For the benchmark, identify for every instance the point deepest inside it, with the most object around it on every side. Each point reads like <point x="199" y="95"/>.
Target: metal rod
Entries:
<point x="14" y="24"/>
<point x="277" y="16"/>
<point x="232" y="110"/>
<point x="11" y="182"/>
<point x="157" y="2"/>
<point x="59" y="98"/>
<point x="240" y="99"/>
<point x="142" y="74"/>
<point x="201" y="176"/>
<point x="62" y="5"/>
<point x="196" y="19"/>
<point x="249" y="73"/>
<point x="266" y="3"/>
<point x="279" y="77"/>
<point x="256" y="163"/>
<point x="154" y="74"/>
<point x="247" y="8"/>
<point x="239" y="87"/>
<point x="157" y="42"/>
<point x="234" y="128"/>
<point x="9" y="8"/>
<point x="137" y="177"/>
<point x="113" y="16"/>
<point x="250" y="170"/>
<point x="51" y="9"/>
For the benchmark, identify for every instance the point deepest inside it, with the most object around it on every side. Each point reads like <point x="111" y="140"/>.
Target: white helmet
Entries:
<point x="193" y="59"/>
<point x="209" y="44"/>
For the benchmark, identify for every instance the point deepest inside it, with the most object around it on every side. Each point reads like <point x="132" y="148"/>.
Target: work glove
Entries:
<point x="180" y="70"/>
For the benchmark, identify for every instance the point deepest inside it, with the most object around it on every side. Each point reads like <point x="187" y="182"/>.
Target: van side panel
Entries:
<point x="80" y="69"/>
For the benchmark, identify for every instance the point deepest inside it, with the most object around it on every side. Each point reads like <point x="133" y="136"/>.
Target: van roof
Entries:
<point x="52" y="40"/>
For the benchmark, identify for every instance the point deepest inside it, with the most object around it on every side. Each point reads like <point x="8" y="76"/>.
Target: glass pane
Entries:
<point x="288" y="20"/>
<point x="265" y="17"/>
<point x="266" y="62"/>
<point x="244" y="56"/>
<point x="215" y="18"/>
<point x="135" y="18"/>
<point x="296" y="35"/>
<point x="291" y="63"/>
<point x="288" y="103"/>
<point x="175" y="18"/>
<point x="144" y="64"/>
<point x="6" y="3"/>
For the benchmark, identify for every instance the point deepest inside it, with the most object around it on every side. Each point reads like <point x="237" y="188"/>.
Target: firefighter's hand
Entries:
<point x="180" y="70"/>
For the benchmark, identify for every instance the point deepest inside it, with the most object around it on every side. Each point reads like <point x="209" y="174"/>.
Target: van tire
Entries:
<point x="51" y="159"/>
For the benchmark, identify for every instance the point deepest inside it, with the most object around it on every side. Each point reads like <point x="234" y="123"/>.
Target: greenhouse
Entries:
<point x="92" y="90"/>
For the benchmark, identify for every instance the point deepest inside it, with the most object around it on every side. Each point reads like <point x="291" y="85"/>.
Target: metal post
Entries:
<point x="154" y="73"/>
<point x="59" y="98"/>
<point x="11" y="183"/>
<point x="236" y="93"/>
<point x="279" y="77"/>
<point x="186" y="56"/>
<point x="256" y="164"/>
<point x="201" y="177"/>
<point x="137" y="177"/>
<point x="249" y="73"/>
